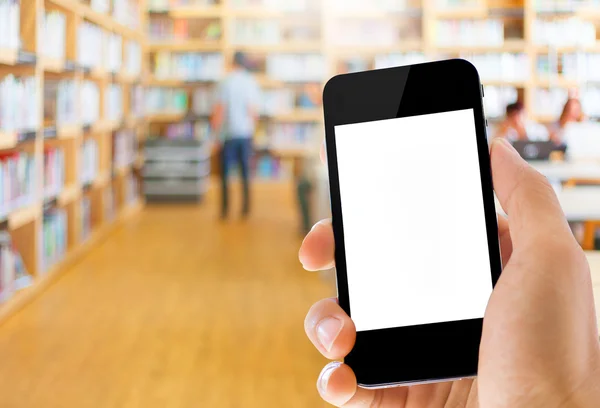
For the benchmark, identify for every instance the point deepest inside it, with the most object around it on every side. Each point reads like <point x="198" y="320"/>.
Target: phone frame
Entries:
<point x="432" y="352"/>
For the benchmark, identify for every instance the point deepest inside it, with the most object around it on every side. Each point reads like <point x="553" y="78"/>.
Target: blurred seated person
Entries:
<point x="572" y="113"/>
<point x="515" y="127"/>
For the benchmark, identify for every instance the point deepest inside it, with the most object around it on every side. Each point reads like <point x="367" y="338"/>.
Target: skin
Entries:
<point x="540" y="341"/>
<point x="515" y="121"/>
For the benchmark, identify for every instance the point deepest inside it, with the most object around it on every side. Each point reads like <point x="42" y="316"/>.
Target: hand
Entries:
<point x="540" y="341"/>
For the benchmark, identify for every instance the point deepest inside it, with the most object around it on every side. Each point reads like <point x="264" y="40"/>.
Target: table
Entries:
<point x="570" y="172"/>
<point x="580" y="204"/>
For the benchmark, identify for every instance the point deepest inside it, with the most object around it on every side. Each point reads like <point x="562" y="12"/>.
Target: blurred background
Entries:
<point x="124" y="280"/>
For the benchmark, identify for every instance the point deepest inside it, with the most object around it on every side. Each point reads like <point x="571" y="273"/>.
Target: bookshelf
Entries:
<point x="70" y="77"/>
<point x="505" y="39"/>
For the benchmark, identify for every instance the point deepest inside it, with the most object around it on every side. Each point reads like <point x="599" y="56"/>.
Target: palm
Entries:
<point x="458" y="394"/>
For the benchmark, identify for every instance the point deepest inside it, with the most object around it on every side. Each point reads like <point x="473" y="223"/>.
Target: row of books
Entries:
<point x="19" y="109"/>
<point x="86" y="217"/>
<point x="53" y="35"/>
<point x="90" y="110"/>
<point x="60" y="102"/>
<point x="160" y="5"/>
<point x="114" y="53"/>
<point x="590" y="101"/>
<point x="271" y="32"/>
<point x="357" y="6"/>
<point x="497" y="98"/>
<point x="10" y="11"/>
<point x="188" y="130"/>
<point x="91" y="40"/>
<point x="54" y="172"/>
<point x="136" y="101"/>
<point x="101" y="6"/>
<point x="564" y="32"/>
<point x="397" y="59"/>
<point x="203" y="100"/>
<point x="133" y="58"/>
<point x="89" y="161"/>
<point x="353" y="32"/>
<point x="17" y="181"/>
<point x="577" y="67"/>
<point x="488" y="33"/>
<point x="285" y="6"/>
<point x="291" y="136"/>
<point x="13" y="272"/>
<point x="162" y="100"/>
<point x="127" y="13"/>
<point x="501" y="67"/>
<point x="54" y="238"/>
<point x="113" y="102"/>
<point x="189" y="66"/>
<point x="565" y="5"/>
<point x="124" y="148"/>
<point x="296" y="68"/>
<point x="272" y="101"/>
<point x="181" y="29"/>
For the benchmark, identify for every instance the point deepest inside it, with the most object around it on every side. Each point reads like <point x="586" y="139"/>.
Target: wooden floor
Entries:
<point x="174" y="310"/>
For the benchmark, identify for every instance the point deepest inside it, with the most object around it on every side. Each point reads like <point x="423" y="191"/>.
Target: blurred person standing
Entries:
<point x="572" y="113"/>
<point x="233" y="121"/>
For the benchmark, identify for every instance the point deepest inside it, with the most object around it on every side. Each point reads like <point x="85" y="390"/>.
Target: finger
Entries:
<point x="505" y="240"/>
<point x="525" y="195"/>
<point x="337" y="385"/>
<point x="317" y="250"/>
<point x="323" y="154"/>
<point x="330" y="329"/>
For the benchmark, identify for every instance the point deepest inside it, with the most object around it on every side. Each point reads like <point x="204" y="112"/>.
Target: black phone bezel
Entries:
<point x="431" y="352"/>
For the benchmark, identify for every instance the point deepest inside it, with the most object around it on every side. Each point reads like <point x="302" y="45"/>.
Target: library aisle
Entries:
<point x="176" y="309"/>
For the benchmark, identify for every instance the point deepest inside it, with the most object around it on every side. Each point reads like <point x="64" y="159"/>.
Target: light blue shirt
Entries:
<point x="240" y="95"/>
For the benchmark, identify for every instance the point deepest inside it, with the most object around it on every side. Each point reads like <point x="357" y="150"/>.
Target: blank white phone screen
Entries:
<point x="414" y="224"/>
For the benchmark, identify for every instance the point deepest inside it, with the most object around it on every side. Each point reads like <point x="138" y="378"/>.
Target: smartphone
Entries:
<point x="417" y="252"/>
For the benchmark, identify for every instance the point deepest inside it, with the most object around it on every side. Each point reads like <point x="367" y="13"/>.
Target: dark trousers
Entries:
<point x="236" y="151"/>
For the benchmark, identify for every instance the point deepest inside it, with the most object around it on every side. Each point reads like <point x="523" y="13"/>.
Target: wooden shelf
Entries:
<point x="8" y="56"/>
<point x="299" y="116"/>
<point x="555" y="82"/>
<point x="255" y="12"/>
<point x="8" y="140"/>
<point x="376" y="14"/>
<point x="372" y="50"/>
<point x="23" y="216"/>
<point x="195" y="12"/>
<point x="165" y="117"/>
<point x="68" y="195"/>
<point x="68" y="131"/>
<point x="543" y="49"/>
<point x="456" y="13"/>
<point x="508" y="46"/>
<point x="52" y="65"/>
<point x="287" y="47"/>
<point x="41" y="282"/>
<point x="188" y="45"/>
<point x="174" y="83"/>
<point x="101" y="180"/>
<point x="500" y="82"/>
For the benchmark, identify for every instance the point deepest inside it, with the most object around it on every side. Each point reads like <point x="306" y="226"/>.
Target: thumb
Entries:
<point x="526" y="196"/>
